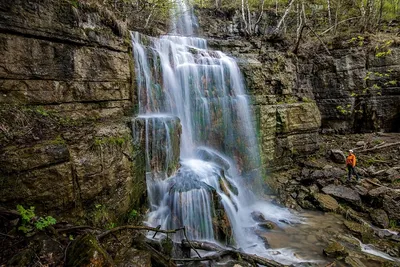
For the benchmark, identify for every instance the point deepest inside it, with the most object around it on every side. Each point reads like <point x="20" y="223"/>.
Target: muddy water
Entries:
<point x="307" y="239"/>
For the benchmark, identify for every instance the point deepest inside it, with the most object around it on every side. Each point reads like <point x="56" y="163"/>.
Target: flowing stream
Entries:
<point x="202" y="157"/>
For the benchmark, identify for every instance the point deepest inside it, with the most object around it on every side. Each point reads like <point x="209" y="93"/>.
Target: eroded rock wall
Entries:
<point x="352" y="88"/>
<point x="66" y="98"/>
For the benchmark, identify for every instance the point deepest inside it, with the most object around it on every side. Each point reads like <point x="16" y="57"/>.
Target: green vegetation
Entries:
<point x="30" y="222"/>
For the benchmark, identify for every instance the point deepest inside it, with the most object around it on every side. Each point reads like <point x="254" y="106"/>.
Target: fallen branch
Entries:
<point x="232" y="252"/>
<point x="156" y="230"/>
<point x="10" y="213"/>
<point x="74" y="228"/>
<point x="134" y="227"/>
<point x="9" y="236"/>
<point x="207" y="246"/>
<point x="378" y="147"/>
<point x="371" y="182"/>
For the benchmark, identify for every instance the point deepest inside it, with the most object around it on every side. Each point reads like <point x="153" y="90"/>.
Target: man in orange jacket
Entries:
<point x="351" y="164"/>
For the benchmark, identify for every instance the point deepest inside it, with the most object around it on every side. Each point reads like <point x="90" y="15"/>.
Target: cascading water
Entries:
<point x="208" y="192"/>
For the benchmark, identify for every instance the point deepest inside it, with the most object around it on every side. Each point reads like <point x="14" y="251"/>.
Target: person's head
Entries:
<point x="350" y="151"/>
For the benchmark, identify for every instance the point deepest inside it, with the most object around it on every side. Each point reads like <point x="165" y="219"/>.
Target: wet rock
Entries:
<point x="335" y="250"/>
<point x="380" y="218"/>
<point x="268" y="225"/>
<point x="326" y="202"/>
<point x="159" y="138"/>
<point x="209" y="155"/>
<point x="86" y="251"/>
<point x="354" y="262"/>
<point x="363" y="231"/>
<point x="343" y="193"/>
<point x="258" y="216"/>
<point x="336" y="156"/>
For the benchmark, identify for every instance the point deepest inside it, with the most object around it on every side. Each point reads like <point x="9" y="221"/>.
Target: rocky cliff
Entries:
<point x="66" y="98"/>
<point x="351" y="87"/>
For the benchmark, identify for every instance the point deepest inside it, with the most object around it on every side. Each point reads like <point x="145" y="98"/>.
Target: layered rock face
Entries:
<point x="287" y="122"/>
<point x="66" y="95"/>
<point x="354" y="88"/>
<point x="357" y="86"/>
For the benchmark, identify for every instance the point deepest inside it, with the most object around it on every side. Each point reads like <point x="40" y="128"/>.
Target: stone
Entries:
<point x="131" y="257"/>
<point x="86" y="251"/>
<point x="326" y="202"/>
<point x="159" y="138"/>
<point x="268" y="225"/>
<point x="378" y="192"/>
<point x="362" y="191"/>
<point x="343" y="193"/>
<point x="392" y="175"/>
<point x="335" y="250"/>
<point x="337" y="156"/>
<point x="360" y="144"/>
<point x="391" y="204"/>
<point x="212" y="156"/>
<point x="258" y="217"/>
<point x="379" y="218"/>
<point x="354" y="262"/>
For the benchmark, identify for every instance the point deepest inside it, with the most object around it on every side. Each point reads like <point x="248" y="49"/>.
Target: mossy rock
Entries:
<point x="23" y="258"/>
<point x="326" y="202"/>
<point x="86" y="251"/>
<point x="364" y="231"/>
<point x="335" y="250"/>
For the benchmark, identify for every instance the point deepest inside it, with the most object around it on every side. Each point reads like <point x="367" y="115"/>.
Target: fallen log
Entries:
<point x="135" y="227"/>
<point x="228" y="252"/>
<point x="378" y="147"/>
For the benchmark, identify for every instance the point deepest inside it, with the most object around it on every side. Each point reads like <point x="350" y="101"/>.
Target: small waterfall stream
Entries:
<point x="202" y="158"/>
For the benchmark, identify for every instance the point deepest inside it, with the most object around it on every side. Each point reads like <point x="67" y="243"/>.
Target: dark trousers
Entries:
<point x="351" y="172"/>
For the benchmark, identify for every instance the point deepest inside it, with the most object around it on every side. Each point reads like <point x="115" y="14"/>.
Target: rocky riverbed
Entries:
<point x="369" y="207"/>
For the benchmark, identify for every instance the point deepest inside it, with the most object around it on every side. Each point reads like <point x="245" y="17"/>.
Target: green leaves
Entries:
<point x="30" y="222"/>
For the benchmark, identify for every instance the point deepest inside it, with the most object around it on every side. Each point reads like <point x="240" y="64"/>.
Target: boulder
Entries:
<point x="342" y="192"/>
<point x="133" y="257"/>
<point x="360" y="143"/>
<point x="378" y="192"/>
<point x="258" y="217"/>
<point x="391" y="175"/>
<point x="268" y="225"/>
<point x="380" y="218"/>
<point x="337" y="156"/>
<point x="326" y="202"/>
<point x="86" y="251"/>
<point x="391" y="204"/>
<point x="335" y="250"/>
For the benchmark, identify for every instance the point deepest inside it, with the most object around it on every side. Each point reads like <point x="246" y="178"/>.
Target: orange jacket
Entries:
<point x="351" y="160"/>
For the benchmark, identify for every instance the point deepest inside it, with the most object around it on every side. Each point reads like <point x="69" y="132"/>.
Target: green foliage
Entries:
<point x="344" y="110"/>
<point x="30" y="222"/>
<point x="74" y="3"/>
<point x="359" y="40"/>
<point x="392" y="223"/>
<point x="45" y="222"/>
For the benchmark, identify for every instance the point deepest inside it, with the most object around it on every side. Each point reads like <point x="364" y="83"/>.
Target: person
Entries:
<point x="351" y="164"/>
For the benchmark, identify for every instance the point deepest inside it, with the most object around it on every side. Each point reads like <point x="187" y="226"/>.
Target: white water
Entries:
<point x="220" y="164"/>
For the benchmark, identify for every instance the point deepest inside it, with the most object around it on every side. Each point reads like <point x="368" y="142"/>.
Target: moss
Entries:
<point x="86" y="251"/>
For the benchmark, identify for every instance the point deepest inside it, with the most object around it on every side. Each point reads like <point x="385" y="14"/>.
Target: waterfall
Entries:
<point x="207" y="187"/>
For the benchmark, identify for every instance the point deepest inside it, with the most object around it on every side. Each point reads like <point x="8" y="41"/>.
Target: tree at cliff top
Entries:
<point x="322" y="15"/>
